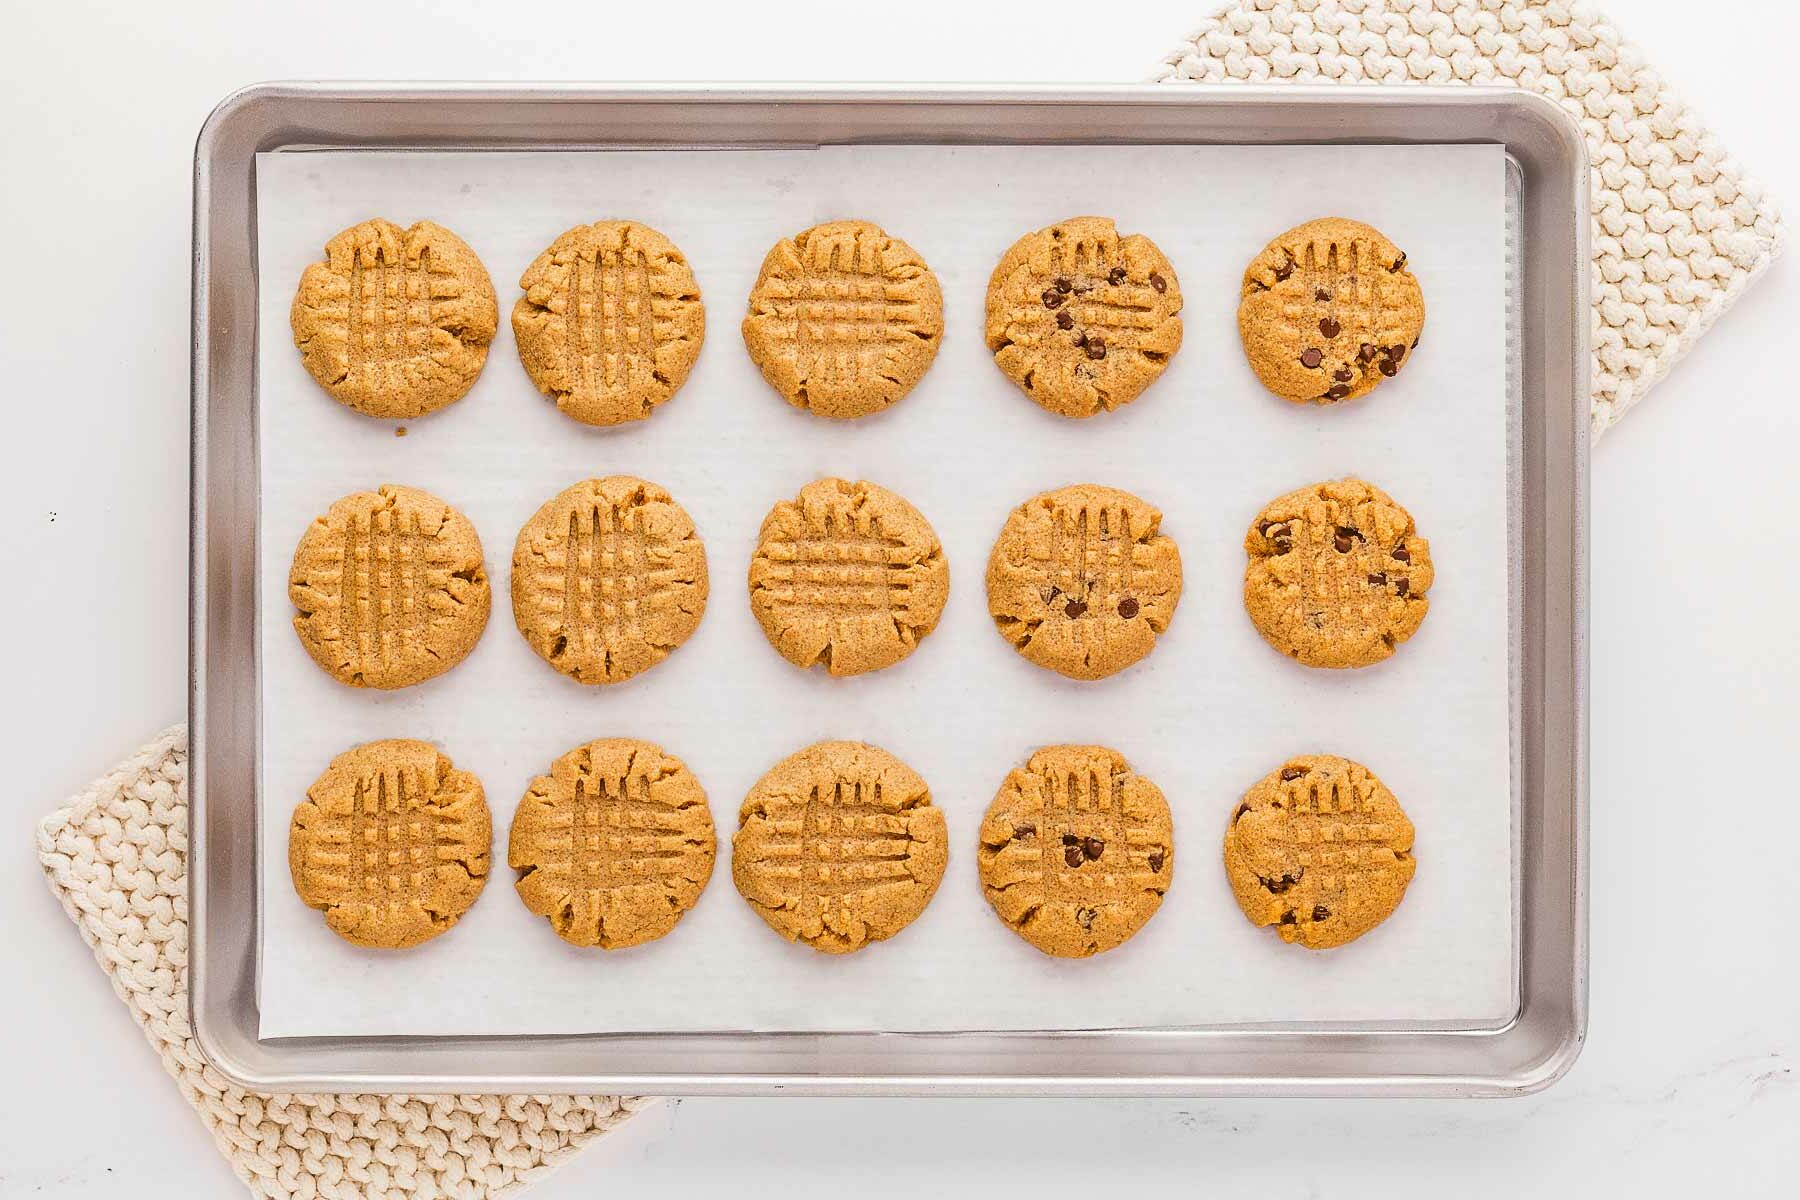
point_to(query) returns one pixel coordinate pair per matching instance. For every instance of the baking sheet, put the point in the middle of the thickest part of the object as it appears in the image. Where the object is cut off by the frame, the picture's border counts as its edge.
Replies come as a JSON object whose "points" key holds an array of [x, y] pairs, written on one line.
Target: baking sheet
{"points": [[1208, 713]]}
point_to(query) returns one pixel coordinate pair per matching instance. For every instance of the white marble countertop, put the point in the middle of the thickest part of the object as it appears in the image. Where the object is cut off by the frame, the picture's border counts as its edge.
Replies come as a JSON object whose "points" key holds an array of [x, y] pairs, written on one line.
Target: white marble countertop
{"points": [[1689, 1077]]}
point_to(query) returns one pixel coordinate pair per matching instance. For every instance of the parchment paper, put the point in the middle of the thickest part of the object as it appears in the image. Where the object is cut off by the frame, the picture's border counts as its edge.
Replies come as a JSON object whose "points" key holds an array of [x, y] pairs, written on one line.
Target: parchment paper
{"points": [[1208, 713]]}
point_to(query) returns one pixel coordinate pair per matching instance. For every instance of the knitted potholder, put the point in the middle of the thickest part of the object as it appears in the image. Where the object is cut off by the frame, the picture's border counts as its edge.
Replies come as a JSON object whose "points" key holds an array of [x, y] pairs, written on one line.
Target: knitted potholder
{"points": [[116, 856], [1679, 232]]}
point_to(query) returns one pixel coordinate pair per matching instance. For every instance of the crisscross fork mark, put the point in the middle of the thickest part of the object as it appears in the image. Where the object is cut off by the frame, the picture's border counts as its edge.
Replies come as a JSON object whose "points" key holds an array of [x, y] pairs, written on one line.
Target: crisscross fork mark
{"points": [[835, 853], [1088, 803], [382, 581], [386, 845], [1355, 289], [1090, 561], [610, 320], [841, 313], [844, 569], [607, 815], [607, 581], [1326, 838], [383, 316]]}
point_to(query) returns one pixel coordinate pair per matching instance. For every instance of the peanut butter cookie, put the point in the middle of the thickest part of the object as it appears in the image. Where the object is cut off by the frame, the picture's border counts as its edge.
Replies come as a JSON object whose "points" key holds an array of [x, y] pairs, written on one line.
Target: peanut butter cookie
{"points": [[848, 574], [1076, 850], [610, 323], [844, 319], [1337, 574], [1321, 850], [839, 846], [391, 844], [389, 588], [1081, 581], [614, 844], [1329, 310], [608, 577], [1082, 319], [395, 322]]}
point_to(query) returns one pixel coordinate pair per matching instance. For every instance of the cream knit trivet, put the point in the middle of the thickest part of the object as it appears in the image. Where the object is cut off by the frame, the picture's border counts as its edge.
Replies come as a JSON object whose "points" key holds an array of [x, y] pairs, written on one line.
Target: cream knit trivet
{"points": [[1679, 232], [116, 856]]}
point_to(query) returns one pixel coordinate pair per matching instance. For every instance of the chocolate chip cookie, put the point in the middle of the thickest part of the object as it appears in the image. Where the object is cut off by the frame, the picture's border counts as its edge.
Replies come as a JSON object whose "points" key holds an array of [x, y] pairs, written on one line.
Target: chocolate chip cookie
{"points": [[388, 588], [849, 575], [1328, 310], [1320, 849], [1337, 574], [614, 845], [395, 322], [839, 846], [391, 844], [610, 323], [1082, 582], [1076, 850], [1082, 319], [608, 578], [844, 319]]}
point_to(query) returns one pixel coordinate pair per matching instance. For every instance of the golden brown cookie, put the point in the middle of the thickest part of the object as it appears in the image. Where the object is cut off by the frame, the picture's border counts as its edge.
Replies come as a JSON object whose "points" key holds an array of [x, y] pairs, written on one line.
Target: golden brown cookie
{"points": [[389, 588], [395, 322], [1083, 319], [1337, 574], [610, 322], [847, 574], [1076, 850], [391, 844], [1082, 582], [614, 844], [1329, 310], [608, 577], [844, 319], [839, 846], [1321, 850]]}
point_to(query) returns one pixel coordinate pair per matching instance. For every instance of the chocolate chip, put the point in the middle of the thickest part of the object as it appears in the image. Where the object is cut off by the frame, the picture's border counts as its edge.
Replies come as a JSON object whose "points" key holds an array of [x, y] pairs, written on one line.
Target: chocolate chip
{"points": [[1278, 886], [1288, 917], [1128, 608], [1378, 579], [1063, 284], [1116, 276], [1024, 831], [1093, 848], [1239, 814], [1070, 839], [1155, 860], [1401, 554], [1311, 357], [1065, 319], [1320, 912], [1281, 535], [1321, 294], [1415, 344], [1336, 391], [1285, 269], [1052, 298], [1386, 367], [1292, 772], [1072, 856], [1401, 587], [1344, 538], [1159, 283], [1075, 608], [1399, 263], [1085, 917], [1342, 374], [1096, 346], [1365, 352], [1329, 327], [1081, 338], [1396, 352]]}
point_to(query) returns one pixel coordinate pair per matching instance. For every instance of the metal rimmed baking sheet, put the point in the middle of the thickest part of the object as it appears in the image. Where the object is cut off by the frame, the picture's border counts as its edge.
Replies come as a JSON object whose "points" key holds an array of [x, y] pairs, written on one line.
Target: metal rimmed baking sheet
{"points": [[1186, 1060]]}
